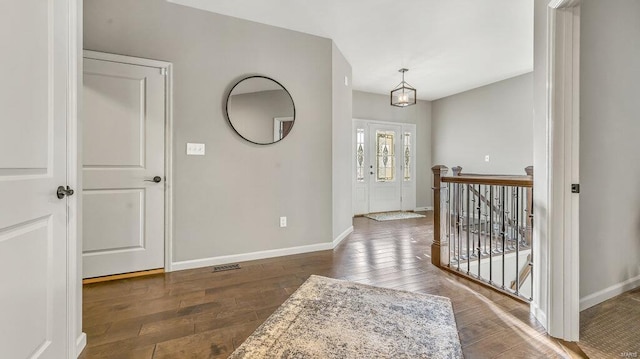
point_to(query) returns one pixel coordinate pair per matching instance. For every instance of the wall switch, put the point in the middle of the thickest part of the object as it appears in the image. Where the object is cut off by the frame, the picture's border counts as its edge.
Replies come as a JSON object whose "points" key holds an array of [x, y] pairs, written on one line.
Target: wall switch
{"points": [[346, 81], [195, 149], [486, 158], [283, 222]]}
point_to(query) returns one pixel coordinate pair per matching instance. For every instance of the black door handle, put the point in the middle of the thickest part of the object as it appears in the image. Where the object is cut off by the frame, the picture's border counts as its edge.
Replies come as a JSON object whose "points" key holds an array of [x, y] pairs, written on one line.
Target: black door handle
{"points": [[61, 192], [156, 179]]}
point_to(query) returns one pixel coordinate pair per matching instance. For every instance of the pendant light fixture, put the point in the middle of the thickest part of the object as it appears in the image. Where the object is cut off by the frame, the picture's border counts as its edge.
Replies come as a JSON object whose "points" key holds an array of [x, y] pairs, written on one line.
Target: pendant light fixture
{"points": [[403, 95]]}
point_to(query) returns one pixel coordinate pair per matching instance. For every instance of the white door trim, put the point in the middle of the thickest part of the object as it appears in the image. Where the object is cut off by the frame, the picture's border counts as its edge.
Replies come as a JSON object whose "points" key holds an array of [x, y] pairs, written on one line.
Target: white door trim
{"points": [[562, 169], [353, 157], [76, 337], [167, 69]]}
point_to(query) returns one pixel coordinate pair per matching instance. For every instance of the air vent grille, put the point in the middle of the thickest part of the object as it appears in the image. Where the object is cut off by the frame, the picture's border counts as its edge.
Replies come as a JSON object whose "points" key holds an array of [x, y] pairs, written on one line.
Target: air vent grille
{"points": [[226, 267]]}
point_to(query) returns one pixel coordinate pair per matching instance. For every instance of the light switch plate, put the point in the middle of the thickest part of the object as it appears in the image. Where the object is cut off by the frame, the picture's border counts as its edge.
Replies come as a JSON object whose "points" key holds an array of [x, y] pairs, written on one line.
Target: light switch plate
{"points": [[195, 149], [486, 158]]}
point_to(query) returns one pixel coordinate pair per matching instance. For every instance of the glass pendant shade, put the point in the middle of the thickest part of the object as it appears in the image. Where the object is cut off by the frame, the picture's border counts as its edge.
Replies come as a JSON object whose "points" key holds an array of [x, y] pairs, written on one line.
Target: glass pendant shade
{"points": [[403, 95]]}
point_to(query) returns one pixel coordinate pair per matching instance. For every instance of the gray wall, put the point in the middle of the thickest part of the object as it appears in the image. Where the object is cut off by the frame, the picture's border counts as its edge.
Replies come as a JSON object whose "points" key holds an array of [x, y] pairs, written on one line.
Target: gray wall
{"points": [[341, 145], [494, 120], [369, 106], [229, 201], [609, 144]]}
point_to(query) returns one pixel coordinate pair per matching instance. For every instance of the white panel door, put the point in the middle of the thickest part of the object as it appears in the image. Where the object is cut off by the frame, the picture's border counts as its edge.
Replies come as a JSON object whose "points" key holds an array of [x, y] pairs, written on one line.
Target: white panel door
{"points": [[33, 162], [123, 209], [385, 178]]}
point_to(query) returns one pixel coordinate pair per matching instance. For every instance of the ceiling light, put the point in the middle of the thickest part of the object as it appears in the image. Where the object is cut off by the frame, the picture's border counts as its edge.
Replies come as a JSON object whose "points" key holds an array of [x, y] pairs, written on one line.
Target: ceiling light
{"points": [[403, 95]]}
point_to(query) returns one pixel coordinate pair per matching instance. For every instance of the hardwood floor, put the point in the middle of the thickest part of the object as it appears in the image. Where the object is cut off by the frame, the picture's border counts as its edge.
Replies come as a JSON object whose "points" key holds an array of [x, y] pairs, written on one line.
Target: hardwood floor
{"points": [[200, 314]]}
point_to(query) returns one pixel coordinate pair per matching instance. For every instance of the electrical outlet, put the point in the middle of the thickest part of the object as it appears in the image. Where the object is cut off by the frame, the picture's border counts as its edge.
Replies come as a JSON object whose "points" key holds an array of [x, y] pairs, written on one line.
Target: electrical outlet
{"points": [[196, 149], [486, 158], [283, 222]]}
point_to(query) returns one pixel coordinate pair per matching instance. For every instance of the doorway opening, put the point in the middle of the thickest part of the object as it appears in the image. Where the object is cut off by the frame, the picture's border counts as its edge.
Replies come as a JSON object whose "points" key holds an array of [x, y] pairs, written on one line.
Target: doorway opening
{"points": [[384, 159]]}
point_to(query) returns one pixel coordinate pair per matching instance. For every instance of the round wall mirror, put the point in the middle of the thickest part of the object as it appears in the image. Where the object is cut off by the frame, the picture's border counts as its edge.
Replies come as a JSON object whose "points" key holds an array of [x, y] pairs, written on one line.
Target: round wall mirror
{"points": [[260, 110]]}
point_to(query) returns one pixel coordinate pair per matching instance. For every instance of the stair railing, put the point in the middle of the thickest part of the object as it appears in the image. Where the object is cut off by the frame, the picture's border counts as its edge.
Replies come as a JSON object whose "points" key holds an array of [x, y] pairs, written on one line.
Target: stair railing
{"points": [[482, 228]]}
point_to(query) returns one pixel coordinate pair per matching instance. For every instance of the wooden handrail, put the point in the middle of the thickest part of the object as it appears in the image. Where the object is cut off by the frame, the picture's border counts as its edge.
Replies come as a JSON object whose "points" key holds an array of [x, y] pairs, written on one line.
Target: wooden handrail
{"points": [[517, 181]]}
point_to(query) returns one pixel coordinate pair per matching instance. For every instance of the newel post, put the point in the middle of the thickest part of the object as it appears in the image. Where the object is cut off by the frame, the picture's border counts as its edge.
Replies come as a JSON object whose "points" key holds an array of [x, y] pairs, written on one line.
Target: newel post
{"points": [[529, 229], [438, 172]]}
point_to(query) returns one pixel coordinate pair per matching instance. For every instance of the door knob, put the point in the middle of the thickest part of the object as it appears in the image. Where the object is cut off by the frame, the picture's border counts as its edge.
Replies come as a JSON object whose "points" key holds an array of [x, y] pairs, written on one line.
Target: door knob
{"points": [[156, 179], [61, 192]]}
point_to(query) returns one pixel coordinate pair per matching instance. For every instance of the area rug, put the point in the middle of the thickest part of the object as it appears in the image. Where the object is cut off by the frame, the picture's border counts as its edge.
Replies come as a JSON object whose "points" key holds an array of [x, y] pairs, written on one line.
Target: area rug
{"points": [[329, 318], [390, 216]]}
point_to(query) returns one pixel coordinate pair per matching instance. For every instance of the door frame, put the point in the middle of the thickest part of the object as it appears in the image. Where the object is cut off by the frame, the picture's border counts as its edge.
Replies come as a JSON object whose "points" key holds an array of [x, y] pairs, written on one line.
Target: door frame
{"points": [[77, 339], [166, 68], [556, 301], [563, 116], [367, 138]]}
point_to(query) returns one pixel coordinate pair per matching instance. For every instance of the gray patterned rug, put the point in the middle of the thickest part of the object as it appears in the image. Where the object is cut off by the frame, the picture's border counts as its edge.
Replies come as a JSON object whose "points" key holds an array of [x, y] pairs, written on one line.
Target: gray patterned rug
{"points": [[330, 318], [390, 216]]}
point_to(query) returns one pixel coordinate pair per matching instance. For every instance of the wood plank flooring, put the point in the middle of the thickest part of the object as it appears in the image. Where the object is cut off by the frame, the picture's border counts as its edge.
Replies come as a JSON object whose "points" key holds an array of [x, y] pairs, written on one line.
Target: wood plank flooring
{"points": [[200, 314]]}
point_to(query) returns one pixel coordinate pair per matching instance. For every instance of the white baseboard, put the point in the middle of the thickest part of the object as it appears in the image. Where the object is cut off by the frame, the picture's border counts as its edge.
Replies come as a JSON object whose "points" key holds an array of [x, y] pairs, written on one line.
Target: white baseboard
{"points": [[421, 209], [608, 293], [540, 315], [81, 342], [212, 261], [342, 236]]}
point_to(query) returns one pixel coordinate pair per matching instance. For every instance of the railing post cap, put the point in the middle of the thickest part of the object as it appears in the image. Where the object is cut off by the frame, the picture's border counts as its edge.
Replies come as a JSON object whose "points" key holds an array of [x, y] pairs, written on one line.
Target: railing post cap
{"points": [[437, 169], [529, 170]]}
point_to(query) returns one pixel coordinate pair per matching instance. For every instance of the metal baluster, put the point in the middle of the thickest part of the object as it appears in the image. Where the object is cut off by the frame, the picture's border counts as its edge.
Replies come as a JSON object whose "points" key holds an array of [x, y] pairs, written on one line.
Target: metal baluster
{"points": [[497, 225], [484, 241], [459, 219], [479, 231], [468, 230], [502, 231], [490, 234], [448, 223], [531, 246], [517, 213], [472, 223]]}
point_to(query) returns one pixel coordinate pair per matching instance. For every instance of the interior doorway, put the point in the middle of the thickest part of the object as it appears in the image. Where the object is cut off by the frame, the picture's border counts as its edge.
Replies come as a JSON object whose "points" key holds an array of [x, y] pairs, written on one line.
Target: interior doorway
{"points": [[384, 160], [124, 164]]}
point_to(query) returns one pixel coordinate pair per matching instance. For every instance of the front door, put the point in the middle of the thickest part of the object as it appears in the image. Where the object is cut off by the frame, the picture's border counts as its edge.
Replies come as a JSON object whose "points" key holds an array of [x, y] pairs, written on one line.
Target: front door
{"points": [[385, 176], [123, 167], [33, 162]]}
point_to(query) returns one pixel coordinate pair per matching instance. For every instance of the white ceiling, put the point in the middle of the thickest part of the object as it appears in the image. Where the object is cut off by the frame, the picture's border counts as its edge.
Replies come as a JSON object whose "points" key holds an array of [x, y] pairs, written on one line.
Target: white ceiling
{"points": [[449, 46]]}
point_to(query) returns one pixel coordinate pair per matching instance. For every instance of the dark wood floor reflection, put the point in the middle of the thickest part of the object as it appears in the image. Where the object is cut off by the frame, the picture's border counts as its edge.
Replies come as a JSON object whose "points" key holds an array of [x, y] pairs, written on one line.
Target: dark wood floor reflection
{"points": [[200, 314]]}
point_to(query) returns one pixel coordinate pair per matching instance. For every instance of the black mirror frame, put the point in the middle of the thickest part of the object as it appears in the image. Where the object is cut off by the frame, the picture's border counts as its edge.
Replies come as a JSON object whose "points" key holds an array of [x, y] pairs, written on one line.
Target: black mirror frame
{"points": [[226, 108]]}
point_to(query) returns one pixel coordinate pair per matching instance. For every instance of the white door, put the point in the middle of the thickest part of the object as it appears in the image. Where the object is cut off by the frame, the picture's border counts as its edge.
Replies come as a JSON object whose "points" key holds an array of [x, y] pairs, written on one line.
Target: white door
{"points": [[33, 162], [123, 168], [385, 176]]}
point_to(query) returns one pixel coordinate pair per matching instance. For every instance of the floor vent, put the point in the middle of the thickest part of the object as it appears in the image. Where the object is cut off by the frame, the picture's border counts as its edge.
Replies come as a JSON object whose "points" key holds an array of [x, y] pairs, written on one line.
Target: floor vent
{"points": [[226, 267]]}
